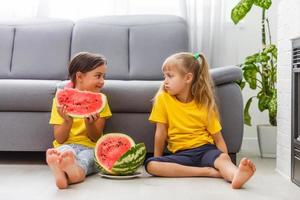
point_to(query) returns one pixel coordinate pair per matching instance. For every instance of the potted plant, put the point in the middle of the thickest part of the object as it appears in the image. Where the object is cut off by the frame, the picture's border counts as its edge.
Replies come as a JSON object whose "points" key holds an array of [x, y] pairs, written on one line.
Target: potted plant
{"points": [[259, 72]]}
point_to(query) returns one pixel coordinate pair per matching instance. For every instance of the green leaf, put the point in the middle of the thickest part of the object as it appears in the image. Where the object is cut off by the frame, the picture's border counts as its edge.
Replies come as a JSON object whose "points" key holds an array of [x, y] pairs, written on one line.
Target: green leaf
{"points": [[249, 66], [269, 49], [250, 76], [273, 109], [241, 10], [263, 102], [247, 117], [241, 83], [263, 58], [274, 52], [265, 4]]}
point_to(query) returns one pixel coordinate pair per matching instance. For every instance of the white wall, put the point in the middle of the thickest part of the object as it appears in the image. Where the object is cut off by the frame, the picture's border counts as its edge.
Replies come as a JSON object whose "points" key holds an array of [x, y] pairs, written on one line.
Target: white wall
{"points": [[288, 28]]}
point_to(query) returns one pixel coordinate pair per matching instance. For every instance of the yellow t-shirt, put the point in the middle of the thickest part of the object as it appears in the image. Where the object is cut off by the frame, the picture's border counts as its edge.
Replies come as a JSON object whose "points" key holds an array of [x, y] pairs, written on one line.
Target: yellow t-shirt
{"points": [[188, 124], [78, 133]]}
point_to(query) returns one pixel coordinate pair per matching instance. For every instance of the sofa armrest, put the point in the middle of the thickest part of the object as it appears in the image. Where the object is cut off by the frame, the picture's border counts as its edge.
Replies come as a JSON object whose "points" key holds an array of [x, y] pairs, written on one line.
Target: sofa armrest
{"points": [[226, 74]]}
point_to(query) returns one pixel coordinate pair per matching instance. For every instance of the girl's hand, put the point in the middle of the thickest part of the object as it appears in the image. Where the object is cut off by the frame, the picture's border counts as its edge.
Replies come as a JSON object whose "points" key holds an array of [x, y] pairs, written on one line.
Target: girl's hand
{"points": [[62, 111], [91, 118]]}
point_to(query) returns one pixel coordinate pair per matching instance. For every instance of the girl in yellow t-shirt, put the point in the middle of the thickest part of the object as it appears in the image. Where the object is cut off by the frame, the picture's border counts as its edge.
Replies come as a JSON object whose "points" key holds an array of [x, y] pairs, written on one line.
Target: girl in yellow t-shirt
{"points": [[72, 157], [187, 119]]}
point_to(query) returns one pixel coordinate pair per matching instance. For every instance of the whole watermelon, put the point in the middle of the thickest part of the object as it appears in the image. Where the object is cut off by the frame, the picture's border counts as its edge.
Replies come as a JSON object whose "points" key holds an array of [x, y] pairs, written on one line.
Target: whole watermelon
{"points": [[117, 154]]}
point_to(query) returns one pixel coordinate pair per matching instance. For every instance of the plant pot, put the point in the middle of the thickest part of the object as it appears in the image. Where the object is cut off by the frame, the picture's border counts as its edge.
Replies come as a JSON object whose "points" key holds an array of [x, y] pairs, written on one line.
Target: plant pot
{"points": [[267, 139]]}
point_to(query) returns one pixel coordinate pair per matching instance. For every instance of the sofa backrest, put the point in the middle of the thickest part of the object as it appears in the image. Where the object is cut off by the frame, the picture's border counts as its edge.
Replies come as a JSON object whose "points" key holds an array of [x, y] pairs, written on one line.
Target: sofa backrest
{"points": [[135, 47], [35, 49]]}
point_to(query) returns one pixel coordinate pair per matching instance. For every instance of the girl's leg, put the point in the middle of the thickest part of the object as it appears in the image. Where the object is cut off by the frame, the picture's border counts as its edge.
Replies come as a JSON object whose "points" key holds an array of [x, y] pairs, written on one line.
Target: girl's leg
{"points": [[52, 158], [168, 169], [68, 164], [236, 175], [85, 159]]}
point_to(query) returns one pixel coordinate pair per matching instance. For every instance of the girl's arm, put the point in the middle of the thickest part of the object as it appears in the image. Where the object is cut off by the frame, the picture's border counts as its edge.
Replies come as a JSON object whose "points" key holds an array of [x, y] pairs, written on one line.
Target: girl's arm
{"points": [[160, 139], [61, 131], [220, 143], [94, 126]]}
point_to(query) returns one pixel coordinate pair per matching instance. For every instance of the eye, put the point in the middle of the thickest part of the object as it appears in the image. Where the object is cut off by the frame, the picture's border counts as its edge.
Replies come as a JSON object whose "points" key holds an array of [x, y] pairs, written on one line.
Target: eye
{"points": [[98, 76]]}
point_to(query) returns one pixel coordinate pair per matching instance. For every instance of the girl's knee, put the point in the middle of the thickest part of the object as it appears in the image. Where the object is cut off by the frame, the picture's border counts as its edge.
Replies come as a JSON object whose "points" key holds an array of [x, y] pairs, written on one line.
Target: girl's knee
{"points": [[151, 167], [224, 156]]}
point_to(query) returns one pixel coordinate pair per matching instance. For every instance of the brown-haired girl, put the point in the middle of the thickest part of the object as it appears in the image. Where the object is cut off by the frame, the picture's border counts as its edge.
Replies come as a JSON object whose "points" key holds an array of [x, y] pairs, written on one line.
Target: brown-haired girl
{"points": [[72, 157]]}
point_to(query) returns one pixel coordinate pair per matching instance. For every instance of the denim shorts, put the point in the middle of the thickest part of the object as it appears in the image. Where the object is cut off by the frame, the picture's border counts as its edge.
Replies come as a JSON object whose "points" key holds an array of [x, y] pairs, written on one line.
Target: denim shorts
{"points": [[84, 156], [203, 156]]}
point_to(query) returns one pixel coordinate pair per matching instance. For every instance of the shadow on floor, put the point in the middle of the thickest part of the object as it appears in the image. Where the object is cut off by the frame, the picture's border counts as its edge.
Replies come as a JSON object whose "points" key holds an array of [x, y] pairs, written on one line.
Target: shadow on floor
{"points": [[20, 157]]}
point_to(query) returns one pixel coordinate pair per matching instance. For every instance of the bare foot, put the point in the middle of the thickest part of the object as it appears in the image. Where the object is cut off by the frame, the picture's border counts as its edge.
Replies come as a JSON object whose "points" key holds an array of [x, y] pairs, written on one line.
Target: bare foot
{"points": [[68, 164], [52, 158], [245, 170]]}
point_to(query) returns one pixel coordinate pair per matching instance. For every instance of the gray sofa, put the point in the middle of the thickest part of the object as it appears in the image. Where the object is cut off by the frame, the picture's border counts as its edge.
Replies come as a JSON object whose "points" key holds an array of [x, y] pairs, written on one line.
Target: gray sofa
{"points": [[33, 60]]}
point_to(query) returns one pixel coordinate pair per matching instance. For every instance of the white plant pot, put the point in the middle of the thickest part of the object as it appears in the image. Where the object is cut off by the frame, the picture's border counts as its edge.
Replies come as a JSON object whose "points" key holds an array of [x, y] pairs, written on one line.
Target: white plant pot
{"points": [[267, 140]]}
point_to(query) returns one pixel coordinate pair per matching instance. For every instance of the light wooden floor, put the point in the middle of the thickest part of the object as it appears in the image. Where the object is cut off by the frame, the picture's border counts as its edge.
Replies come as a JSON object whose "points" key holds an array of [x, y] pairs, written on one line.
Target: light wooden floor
{"points": [[24, 178]]}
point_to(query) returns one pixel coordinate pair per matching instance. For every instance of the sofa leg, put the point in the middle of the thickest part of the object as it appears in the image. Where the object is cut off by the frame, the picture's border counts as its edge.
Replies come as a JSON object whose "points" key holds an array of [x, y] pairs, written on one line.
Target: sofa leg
{"points": [[233, 157]]}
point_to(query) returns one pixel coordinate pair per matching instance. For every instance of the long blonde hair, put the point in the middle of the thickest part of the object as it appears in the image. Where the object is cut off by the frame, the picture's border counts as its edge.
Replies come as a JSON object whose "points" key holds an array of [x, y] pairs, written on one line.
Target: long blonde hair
{"points": [[202, 88]]}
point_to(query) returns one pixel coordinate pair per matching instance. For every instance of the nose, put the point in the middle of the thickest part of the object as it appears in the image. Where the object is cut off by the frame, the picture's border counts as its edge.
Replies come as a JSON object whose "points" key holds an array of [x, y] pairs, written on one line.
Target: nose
{"points": [[102, 80], [165, 83]]}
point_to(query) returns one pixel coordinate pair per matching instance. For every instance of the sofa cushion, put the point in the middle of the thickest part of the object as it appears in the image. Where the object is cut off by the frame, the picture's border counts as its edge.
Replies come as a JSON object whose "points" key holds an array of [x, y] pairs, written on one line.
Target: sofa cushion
{"points": [[130, 43], [41, 49], [226, 74], [151, 44], [109, 40], [27, 95], [6, 46]]}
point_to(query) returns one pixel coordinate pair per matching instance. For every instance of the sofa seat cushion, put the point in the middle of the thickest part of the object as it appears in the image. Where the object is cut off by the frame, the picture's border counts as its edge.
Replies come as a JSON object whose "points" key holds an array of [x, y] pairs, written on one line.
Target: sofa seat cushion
{"points": [[27, 95]]}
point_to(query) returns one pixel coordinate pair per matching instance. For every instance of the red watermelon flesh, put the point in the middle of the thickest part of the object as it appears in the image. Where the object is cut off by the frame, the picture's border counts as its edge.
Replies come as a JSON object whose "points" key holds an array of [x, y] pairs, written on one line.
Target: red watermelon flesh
{"points": [[80, 103], [111, 147]]}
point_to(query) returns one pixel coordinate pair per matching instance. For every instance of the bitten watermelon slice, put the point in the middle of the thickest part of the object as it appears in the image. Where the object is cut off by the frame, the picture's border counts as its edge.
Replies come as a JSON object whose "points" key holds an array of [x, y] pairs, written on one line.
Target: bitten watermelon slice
{"points": [[117, 154], [80, 104]]}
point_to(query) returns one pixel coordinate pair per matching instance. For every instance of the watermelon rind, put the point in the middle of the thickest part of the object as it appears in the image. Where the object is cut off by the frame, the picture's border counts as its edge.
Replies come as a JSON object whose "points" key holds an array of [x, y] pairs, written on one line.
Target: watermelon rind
{"points": [[103, 97], [130, 161], [103, 169]]}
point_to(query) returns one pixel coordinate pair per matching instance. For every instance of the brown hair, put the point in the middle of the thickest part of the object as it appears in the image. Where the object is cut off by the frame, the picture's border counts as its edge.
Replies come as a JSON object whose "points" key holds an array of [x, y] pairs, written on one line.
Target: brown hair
{"points": [[202, 88], [84, 62]]}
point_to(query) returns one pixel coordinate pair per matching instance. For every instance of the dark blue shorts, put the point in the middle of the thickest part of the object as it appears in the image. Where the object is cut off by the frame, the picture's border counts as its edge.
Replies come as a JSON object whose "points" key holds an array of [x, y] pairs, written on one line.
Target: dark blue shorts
{"points": [[203, 156]]}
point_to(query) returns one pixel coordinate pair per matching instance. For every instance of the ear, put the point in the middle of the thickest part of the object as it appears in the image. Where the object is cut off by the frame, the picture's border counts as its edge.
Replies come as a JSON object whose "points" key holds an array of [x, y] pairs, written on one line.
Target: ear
{"points": [[79, 76], [189, 77]]}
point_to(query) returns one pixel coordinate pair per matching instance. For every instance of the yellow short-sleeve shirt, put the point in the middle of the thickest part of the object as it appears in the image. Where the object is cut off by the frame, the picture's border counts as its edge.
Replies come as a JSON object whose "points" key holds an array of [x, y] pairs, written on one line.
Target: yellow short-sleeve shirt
{"points": [[188, 124], [78, 133]]}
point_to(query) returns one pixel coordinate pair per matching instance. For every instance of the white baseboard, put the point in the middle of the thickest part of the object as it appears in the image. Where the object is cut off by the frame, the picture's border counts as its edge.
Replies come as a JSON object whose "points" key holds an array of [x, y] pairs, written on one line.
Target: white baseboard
{"points": [[283, 174]]}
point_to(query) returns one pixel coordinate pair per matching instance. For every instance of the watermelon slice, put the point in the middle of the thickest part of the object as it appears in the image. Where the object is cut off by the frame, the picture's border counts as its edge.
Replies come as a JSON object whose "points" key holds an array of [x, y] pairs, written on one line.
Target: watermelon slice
{"points": [[117, 154], [80, 104]]}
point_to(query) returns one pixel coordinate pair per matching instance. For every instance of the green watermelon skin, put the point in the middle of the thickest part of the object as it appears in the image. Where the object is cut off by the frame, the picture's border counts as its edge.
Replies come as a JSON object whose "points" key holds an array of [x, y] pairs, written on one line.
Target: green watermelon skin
{"points": [[131, 160], [100, 168]]}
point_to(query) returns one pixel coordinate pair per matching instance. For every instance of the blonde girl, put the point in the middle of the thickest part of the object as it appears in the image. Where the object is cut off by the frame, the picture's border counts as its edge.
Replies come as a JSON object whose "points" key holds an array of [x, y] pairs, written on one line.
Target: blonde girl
{"points": [[187, 120]]}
